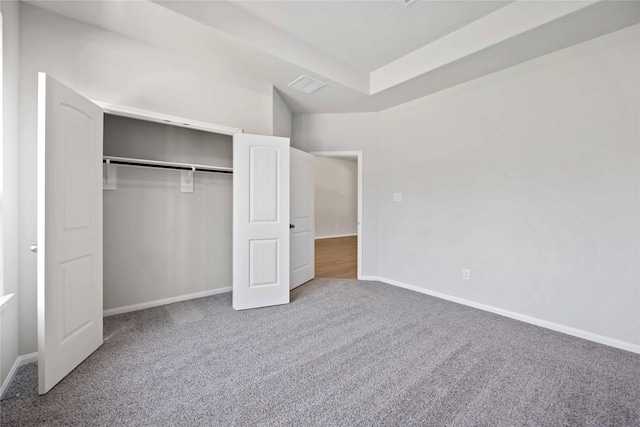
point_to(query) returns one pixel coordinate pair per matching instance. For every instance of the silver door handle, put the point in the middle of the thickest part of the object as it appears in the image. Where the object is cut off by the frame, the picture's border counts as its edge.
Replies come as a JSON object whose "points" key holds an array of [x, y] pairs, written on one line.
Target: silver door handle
{"points": [[34, 248]]}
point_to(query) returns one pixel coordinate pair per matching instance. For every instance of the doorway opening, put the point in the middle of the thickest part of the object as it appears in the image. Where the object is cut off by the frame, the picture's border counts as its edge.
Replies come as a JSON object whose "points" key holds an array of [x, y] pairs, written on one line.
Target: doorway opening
{"points": [[338, 214]]}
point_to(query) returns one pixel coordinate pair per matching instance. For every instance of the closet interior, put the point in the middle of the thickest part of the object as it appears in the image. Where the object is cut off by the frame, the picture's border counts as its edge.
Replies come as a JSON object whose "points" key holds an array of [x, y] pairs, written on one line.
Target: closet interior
{"points": [[167, 204]]}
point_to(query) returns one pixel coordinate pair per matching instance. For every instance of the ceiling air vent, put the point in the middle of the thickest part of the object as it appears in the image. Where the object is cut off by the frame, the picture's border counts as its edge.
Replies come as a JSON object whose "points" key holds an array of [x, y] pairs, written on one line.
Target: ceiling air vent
{"points": [[306, 84]]}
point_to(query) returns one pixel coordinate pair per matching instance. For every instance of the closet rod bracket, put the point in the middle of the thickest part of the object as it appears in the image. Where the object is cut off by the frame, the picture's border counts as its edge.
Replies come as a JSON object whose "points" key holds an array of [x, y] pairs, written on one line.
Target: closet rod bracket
{"points": [[187, 180], [109, 173]]}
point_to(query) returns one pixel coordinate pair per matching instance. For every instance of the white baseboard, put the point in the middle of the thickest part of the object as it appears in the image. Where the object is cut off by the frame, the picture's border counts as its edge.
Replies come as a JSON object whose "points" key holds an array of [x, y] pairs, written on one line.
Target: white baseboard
{"points": [[335, 236], [20, 360], [165, 301], [590, 336]]}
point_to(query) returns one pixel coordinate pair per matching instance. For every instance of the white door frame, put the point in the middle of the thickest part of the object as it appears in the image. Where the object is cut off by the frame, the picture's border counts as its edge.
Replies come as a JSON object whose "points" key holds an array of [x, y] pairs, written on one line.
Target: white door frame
{"points": [[358, 154], [166, 119], [152, 116]]}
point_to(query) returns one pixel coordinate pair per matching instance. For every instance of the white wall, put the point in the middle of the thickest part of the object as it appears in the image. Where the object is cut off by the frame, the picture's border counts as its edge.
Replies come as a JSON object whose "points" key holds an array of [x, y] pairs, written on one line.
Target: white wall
{"points": [[530, 177], [336, 197], [159, 242], [282, 117], [105, 66], [9, 348]]}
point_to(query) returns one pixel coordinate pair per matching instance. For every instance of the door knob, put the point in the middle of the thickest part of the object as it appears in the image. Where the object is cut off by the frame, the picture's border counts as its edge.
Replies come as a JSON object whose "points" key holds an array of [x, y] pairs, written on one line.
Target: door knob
{"points": [[34, 248], [292, 226]]}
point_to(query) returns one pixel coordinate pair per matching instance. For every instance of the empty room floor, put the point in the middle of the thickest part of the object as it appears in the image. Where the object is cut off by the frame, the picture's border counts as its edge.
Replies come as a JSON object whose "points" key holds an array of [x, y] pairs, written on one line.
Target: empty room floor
{"points": [[343, 352], [337, 257]]}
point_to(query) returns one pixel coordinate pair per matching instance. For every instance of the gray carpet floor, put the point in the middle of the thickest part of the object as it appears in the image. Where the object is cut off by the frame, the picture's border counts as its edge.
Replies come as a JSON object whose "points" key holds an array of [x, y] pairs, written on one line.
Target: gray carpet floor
{"points": [[342, 353]]}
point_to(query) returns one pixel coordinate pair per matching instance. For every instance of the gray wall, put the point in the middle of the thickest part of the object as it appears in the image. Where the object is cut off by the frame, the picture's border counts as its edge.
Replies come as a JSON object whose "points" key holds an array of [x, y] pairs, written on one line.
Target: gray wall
{"points": [[109, 67], [159, 242], [530, 177], [281, 116], [9, 349], [336, 197]]}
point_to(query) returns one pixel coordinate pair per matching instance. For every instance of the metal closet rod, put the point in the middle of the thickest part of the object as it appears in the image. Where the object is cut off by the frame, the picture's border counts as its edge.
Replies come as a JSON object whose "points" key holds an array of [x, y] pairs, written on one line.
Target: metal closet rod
{"points": [[126, 161]]}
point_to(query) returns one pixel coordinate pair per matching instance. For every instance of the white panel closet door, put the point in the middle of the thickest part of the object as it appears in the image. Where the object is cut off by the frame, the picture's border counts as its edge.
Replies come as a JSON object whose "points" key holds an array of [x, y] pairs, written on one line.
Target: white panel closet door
{"points": [[302, 217], [260, 221], [69, 230]]}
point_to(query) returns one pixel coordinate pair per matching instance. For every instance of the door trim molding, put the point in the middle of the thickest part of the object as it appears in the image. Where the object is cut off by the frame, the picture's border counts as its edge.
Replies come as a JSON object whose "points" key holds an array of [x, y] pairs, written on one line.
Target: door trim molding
{"points": [[358, 154], [166, 119], [151, 116]]}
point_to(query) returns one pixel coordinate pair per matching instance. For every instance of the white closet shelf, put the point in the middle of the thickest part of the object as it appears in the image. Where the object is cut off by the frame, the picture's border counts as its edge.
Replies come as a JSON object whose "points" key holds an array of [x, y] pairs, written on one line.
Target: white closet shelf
{"points": [[127, 161]]}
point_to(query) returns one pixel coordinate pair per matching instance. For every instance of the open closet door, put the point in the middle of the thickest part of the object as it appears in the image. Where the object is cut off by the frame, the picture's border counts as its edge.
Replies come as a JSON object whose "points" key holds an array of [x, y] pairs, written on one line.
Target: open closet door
{"points": [[302, 217], [69, 230], [260, 221]]}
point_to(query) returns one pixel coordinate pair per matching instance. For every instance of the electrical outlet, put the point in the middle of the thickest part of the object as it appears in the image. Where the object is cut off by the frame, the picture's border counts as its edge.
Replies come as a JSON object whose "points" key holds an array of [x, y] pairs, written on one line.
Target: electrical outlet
{"points": [[397, 197], [466, 274]]}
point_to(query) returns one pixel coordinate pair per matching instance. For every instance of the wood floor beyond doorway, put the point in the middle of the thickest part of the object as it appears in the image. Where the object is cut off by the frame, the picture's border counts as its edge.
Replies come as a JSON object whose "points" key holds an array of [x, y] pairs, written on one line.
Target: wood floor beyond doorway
{"points": [[337, 257]]}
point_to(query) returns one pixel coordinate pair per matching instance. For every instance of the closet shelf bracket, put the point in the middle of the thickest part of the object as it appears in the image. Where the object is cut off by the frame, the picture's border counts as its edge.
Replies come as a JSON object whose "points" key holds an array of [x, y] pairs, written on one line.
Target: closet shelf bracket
{"points": [[187, 180], [109, 172]]}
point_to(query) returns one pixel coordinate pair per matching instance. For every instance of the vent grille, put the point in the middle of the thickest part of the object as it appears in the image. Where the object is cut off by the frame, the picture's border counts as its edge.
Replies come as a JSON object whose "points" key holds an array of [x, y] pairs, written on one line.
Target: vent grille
{"points": [[306, 84]]}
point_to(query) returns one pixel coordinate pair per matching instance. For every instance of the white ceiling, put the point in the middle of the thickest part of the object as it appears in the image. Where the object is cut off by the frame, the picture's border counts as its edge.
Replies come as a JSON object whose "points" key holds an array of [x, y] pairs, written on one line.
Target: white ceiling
{"points": [[373, 54], [369, 34]]}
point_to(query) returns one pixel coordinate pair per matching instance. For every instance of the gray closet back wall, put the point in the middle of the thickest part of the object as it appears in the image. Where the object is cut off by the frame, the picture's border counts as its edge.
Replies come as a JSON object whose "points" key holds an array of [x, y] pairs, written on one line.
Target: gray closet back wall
{"points": [[159, 242]]}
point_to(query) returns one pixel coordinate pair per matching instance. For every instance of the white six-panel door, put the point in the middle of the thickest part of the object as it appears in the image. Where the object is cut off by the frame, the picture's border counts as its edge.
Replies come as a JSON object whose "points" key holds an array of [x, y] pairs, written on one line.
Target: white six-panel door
{"points": [[302, 217], [260, 221], [69, 230]]}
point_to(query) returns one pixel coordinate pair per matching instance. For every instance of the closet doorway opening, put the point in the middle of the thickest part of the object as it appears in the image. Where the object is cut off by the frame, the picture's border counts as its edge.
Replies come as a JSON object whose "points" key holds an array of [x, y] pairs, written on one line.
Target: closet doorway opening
{"points": [[167, 213], [338, 214]]}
